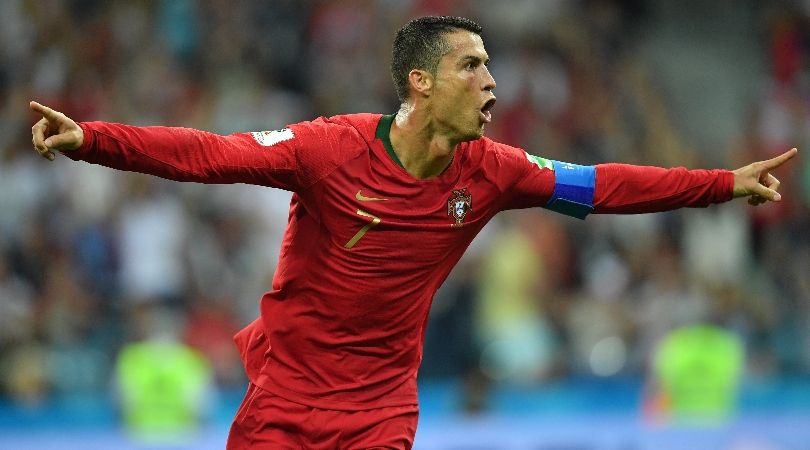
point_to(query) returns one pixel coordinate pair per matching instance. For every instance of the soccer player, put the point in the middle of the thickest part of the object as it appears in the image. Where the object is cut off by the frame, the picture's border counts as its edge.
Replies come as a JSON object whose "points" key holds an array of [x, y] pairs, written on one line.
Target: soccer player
{"points": [[383, 207]]}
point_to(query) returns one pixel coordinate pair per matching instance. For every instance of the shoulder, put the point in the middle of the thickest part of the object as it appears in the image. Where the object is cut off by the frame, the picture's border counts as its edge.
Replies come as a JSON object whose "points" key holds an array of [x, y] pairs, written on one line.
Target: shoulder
{"points": [[362, 126], [486, 152], [340, 135], [324, 144]]}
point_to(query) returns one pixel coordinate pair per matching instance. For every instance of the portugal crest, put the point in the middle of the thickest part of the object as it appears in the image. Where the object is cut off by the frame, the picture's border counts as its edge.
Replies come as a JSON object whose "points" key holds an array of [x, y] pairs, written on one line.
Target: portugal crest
{"points": [[459, 205]]}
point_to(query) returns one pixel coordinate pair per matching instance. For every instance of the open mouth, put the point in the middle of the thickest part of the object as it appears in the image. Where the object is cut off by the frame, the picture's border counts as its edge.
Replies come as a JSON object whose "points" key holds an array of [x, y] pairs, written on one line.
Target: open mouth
{"points": [[486, 114]]}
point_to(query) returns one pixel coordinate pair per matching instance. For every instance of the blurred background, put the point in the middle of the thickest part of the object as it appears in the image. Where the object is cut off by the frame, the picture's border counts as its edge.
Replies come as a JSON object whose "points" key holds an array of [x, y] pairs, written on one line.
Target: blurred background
{"points": [[119, 293]]}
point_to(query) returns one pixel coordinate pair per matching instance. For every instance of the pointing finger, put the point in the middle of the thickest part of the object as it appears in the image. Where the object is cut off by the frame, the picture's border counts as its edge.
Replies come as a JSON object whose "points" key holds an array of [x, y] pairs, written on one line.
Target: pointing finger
{"points": [[46, 112], [779, 160]]}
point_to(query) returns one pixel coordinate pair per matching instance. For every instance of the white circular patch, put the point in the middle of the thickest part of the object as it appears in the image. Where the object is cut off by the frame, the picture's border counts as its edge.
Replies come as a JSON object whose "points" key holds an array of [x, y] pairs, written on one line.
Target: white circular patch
{"points": [[270, 138]]}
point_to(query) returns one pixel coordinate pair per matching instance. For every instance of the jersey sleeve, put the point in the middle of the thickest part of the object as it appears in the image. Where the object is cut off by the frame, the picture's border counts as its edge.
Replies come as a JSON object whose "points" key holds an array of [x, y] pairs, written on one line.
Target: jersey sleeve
{"points": [[629, 189], [525, 180], [578, 190], [293, 158]]}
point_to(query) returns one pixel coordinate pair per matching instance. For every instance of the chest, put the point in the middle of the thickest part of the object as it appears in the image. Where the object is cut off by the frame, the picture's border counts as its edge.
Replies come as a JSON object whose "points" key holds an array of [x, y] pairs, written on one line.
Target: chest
{"points": [[370, 211]]}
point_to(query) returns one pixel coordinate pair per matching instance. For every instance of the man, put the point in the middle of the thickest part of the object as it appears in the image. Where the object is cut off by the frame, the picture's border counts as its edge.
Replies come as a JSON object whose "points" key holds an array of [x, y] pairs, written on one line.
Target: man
{"points": [[383, 207]]}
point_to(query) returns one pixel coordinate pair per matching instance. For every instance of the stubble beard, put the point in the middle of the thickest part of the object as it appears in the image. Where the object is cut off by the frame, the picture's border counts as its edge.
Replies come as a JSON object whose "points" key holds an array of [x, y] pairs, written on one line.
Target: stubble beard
{"points": [[474, 132]]}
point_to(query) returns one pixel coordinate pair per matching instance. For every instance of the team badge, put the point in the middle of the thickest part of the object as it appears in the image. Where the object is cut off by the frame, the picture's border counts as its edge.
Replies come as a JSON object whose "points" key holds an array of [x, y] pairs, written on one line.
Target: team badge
{"points": [[459, 205]]}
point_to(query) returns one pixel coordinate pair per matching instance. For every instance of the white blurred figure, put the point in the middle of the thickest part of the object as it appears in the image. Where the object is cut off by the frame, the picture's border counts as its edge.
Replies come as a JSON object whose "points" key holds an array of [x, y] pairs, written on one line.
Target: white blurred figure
{"points": [[152, 231], [597, 320], [716, 245]]}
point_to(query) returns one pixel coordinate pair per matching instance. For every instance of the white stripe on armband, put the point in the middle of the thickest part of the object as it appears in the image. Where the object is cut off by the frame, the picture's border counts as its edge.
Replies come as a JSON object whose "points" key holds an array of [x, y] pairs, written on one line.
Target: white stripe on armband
{"points": [[573, 189]]}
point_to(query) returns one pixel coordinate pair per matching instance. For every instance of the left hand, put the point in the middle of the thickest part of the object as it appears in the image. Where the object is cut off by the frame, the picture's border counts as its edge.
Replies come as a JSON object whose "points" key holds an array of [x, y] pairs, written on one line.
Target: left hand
{"points": [[755, 180]]}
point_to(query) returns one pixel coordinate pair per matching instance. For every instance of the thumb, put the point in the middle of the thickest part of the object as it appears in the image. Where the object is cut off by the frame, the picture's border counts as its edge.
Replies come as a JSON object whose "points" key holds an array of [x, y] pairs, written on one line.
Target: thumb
{"points": [[59, 141], [767, 193]]}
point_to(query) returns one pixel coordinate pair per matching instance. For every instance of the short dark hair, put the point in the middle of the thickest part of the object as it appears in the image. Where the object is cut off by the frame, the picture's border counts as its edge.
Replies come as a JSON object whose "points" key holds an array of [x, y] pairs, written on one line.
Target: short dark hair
{"points": [[420, 44]]}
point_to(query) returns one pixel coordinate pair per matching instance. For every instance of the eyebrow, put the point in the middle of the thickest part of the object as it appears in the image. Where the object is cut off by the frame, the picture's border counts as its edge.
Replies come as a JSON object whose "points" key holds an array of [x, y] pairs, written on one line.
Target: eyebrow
{"points": [[474, 59]]}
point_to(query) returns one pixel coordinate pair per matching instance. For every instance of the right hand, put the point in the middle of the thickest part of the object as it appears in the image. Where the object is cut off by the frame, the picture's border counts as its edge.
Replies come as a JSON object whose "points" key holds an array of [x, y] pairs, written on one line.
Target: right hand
{"points": [[55, 131]]}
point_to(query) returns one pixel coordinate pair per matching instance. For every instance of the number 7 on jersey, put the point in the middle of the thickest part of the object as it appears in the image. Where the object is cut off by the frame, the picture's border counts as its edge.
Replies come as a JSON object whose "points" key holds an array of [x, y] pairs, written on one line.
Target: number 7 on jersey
{"points": [[374, 222]]}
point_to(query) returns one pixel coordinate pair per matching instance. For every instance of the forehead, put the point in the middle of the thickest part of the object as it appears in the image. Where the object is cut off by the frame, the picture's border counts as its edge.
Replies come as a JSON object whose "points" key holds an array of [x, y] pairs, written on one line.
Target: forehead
{"points": [[462, 44]]}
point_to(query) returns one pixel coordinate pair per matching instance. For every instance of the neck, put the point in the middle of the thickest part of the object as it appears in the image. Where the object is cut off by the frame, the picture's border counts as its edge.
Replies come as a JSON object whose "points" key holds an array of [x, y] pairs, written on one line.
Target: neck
{"points": [[424, 151]]}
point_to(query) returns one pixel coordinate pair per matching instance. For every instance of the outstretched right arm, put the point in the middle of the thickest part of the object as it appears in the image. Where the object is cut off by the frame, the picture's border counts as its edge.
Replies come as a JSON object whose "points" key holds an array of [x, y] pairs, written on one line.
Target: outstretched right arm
{"points": [[279, 158]]}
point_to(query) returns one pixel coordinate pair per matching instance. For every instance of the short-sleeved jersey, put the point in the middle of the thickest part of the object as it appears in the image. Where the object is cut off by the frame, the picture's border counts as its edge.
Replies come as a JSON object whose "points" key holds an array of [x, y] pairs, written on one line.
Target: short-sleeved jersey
{"points": [[367, 244]]}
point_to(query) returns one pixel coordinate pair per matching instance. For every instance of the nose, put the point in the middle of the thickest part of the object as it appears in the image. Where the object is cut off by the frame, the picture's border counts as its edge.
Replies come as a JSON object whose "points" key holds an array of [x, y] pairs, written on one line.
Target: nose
{"points": [[489, 81]]}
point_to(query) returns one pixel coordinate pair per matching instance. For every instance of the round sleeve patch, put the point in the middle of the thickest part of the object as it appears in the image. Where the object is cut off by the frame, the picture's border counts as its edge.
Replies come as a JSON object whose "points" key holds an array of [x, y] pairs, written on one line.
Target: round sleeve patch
{"points": [[270, 138]]}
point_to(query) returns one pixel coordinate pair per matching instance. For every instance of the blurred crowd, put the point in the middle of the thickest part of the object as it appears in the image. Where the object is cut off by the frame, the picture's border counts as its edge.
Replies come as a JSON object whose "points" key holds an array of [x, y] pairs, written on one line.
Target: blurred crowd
{"points": [[92, 259]]}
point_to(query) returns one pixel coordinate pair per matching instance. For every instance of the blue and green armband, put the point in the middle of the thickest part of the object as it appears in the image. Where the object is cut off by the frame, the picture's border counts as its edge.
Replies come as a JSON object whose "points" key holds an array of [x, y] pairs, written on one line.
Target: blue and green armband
{"points": [[573, 189]]}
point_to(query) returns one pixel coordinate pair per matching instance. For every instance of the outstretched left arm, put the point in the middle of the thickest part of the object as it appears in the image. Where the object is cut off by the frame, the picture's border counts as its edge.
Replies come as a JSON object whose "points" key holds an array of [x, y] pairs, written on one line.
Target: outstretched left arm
{"points": [[626, 189], [577, 191]]}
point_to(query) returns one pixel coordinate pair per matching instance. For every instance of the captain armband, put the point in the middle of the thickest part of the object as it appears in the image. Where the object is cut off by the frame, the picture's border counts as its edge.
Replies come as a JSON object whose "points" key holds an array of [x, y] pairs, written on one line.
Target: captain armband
{"points": [[573, 189]]}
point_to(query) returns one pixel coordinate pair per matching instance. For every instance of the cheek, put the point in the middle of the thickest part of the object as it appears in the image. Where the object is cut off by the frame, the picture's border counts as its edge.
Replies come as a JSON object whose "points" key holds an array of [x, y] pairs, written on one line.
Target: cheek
{"points": [[465, 90], [458, 94]]}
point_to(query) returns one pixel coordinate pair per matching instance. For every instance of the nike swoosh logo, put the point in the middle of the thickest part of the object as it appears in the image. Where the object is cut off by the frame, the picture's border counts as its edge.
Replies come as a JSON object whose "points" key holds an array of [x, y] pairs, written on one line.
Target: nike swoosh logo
{"points": [[363, 198]]}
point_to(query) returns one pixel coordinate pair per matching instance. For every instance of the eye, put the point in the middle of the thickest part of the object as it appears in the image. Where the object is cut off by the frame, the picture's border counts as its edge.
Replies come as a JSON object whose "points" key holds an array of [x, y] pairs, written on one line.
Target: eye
{"points": [[470, 66]]}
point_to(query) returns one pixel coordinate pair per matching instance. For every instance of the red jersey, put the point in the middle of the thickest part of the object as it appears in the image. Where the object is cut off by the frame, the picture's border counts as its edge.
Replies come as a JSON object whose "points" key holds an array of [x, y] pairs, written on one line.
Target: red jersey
{"points": [[367, 245]]}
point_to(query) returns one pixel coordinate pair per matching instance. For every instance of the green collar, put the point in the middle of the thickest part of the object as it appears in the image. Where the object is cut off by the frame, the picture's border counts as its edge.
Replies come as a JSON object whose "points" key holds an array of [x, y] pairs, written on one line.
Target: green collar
{"points": [[384, 134]]}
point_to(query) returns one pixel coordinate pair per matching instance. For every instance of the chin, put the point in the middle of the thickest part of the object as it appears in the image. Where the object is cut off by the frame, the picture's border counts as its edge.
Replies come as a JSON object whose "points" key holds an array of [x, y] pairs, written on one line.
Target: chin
{"points": [[469, 131], [473, 134]]}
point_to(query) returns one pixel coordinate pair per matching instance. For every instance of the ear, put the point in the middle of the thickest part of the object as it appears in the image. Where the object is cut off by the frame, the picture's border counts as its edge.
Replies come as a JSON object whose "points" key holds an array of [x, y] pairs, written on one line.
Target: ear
{"points": [[421, 82]]}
